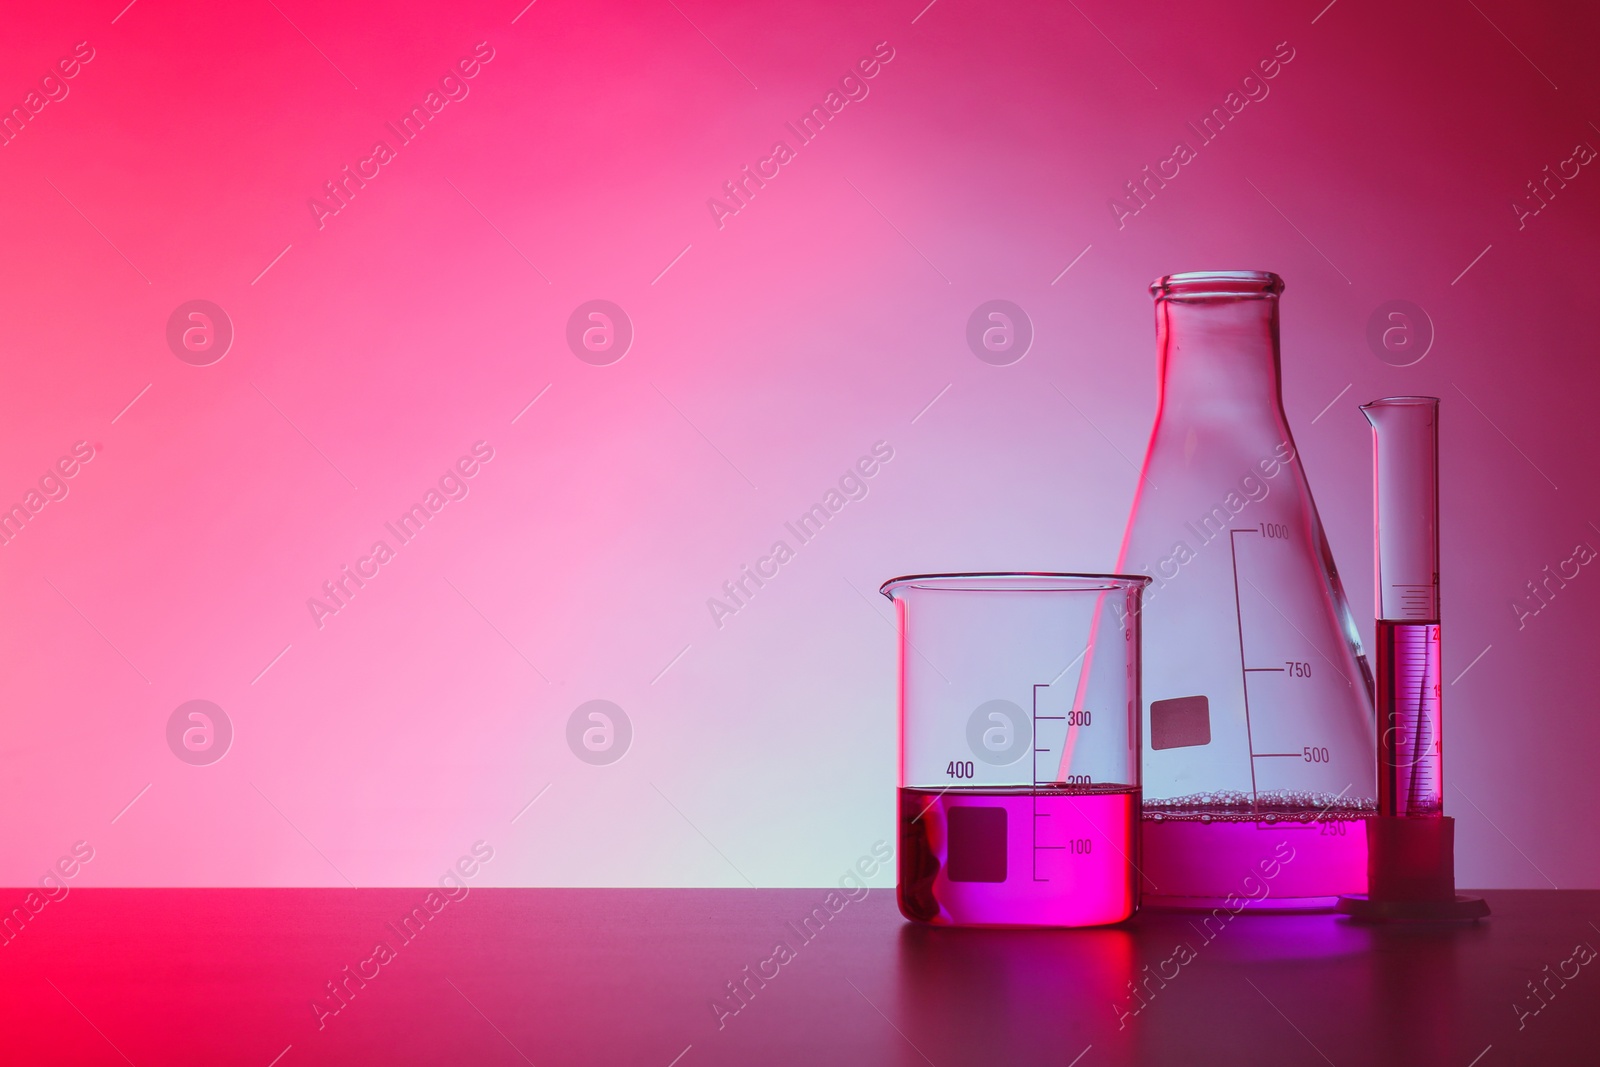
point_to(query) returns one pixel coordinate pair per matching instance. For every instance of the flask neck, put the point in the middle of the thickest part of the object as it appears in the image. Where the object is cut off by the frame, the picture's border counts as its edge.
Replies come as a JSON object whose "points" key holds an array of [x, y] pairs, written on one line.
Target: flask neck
{"points": [[1219, 356]]}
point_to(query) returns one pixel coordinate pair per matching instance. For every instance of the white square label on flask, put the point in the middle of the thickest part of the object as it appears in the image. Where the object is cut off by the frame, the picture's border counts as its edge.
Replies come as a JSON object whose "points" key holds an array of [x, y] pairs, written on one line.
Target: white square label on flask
{"points": [[1182, 722]]}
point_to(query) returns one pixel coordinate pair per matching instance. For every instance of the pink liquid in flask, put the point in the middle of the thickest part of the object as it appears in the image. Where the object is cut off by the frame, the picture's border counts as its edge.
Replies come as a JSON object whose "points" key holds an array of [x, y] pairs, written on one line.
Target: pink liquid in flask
{"points": [[1019, 856]]}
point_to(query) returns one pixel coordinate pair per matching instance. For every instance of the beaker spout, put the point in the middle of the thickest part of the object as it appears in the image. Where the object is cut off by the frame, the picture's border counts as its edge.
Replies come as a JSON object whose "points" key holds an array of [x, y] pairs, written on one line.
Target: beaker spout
{"points": [[1405, 454]]}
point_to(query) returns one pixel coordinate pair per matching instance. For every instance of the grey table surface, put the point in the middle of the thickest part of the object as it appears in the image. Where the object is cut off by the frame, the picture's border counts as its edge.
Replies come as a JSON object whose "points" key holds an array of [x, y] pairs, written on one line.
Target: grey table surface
{"points": [[684, 978]]}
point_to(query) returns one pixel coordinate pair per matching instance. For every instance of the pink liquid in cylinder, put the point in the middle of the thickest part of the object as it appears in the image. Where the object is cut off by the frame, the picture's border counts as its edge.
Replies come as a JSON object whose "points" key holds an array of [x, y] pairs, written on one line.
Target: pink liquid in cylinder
{"points": [[1410, 778], [1021, 856]]}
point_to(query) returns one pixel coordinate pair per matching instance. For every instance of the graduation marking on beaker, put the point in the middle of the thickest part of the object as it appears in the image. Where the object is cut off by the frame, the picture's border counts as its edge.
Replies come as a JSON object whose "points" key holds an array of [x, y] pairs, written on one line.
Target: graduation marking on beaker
{"points": [[1037, 815]]}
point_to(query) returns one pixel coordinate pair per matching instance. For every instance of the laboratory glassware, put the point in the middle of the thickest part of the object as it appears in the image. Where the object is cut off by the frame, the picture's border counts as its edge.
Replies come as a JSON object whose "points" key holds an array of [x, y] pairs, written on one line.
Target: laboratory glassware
{"points": [[1411, 842], [1405, 431], [1019, 748], [1259, 716]]}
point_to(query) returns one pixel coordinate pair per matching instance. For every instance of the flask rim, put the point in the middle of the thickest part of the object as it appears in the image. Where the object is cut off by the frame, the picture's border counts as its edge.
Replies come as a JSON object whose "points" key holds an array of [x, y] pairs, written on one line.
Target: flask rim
{"points": [[1217, 284]]}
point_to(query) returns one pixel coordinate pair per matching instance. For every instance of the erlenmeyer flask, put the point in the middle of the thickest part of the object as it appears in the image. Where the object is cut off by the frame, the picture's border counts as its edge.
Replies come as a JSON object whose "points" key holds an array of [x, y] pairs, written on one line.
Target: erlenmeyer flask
{"points": [[1259, 726]]}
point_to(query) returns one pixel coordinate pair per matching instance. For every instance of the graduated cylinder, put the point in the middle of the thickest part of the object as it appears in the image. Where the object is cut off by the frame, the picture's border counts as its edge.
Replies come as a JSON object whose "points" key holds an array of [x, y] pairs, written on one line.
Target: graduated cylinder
{"points": [[1406, 515]]}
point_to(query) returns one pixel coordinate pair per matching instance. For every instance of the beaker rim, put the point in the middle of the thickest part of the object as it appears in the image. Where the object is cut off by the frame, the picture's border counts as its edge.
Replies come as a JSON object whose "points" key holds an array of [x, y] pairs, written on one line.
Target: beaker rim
{"points": [[1203, 284], [1400, 401], [1015, 582]]}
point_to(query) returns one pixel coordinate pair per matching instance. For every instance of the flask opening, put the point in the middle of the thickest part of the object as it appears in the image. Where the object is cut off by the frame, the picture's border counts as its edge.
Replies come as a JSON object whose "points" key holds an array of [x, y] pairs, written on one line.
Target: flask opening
{"points": [[1217, 284]]}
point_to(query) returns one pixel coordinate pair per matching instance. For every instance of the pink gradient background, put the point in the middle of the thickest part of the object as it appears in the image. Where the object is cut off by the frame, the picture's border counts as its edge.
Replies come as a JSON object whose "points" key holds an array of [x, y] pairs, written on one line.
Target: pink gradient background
{"points": [[792, 339]]}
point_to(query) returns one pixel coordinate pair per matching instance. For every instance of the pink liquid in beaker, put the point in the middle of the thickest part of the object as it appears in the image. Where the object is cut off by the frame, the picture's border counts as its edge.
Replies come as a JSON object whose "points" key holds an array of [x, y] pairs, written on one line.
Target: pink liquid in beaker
{"points": [[1021, 856]]}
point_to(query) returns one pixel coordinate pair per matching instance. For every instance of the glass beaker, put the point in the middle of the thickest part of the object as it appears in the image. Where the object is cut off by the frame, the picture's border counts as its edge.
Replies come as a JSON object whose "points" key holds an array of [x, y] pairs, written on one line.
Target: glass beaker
{"points": [[1259, 732], [1019, 748]]}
